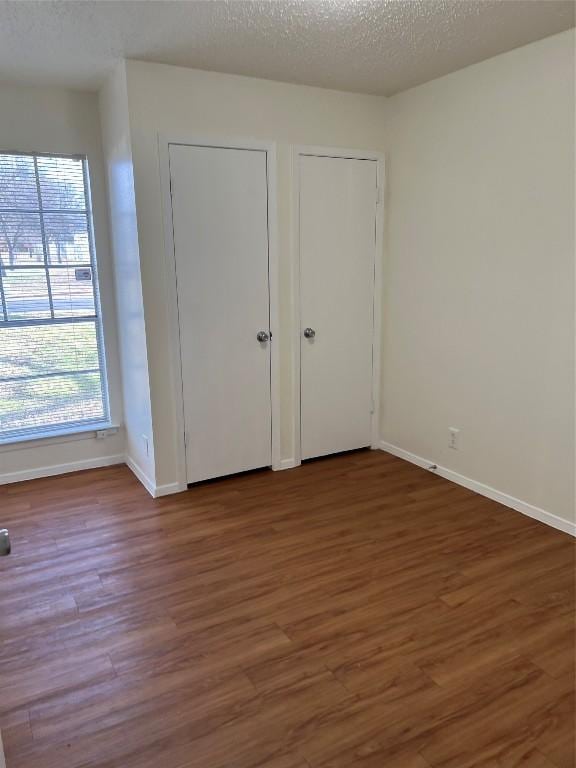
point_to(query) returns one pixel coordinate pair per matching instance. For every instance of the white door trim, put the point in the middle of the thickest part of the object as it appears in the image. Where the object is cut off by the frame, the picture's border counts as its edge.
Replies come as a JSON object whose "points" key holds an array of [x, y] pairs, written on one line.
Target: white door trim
{"points": [[269, 148], [354, 154]]}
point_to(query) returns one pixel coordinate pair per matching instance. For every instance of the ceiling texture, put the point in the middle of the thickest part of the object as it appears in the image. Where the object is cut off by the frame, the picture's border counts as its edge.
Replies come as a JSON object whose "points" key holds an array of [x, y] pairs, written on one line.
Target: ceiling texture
{"points": [[380, 47]]}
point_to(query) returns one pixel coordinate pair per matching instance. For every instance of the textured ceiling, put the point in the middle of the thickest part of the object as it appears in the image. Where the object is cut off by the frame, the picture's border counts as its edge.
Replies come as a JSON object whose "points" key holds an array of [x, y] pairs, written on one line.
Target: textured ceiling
{"points": [[373, 47]]}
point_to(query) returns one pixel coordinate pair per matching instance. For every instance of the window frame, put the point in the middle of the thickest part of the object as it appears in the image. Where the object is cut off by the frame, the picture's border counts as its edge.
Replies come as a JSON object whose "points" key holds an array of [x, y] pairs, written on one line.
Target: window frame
{"points": [[80, 426]]}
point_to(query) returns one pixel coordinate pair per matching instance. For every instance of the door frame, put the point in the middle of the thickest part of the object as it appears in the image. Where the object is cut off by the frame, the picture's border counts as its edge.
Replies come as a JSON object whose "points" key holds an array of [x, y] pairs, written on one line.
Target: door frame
{"points": [[351, 154], [219, 142]]}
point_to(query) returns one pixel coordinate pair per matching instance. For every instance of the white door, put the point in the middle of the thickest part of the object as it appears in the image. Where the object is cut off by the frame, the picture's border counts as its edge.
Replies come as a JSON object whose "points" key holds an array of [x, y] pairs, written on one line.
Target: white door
{"points": [[337, 259], [220, 220]]}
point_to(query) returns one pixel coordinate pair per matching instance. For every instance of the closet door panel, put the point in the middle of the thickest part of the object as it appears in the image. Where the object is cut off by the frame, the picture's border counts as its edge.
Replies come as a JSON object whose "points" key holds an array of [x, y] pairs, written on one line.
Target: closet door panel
{"points": [[220, 221], [337, 256]]}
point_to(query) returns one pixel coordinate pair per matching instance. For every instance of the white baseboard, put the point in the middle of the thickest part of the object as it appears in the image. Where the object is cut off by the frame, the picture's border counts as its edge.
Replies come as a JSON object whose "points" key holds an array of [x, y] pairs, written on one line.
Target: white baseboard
{"points": [[287, 464], [484, 490], [104, 461], [168, 489], [60, 469], [141, 475], [154, 490]]}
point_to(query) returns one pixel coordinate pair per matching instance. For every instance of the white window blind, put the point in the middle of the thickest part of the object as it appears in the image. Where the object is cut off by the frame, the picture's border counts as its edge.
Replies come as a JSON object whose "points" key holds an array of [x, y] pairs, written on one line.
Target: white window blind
{"points": [[52, 372]]}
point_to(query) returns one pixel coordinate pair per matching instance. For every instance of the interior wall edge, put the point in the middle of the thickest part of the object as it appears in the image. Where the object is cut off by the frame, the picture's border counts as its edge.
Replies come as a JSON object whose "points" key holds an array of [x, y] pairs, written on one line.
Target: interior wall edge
{"points": [[123, 223], [554, 521]]}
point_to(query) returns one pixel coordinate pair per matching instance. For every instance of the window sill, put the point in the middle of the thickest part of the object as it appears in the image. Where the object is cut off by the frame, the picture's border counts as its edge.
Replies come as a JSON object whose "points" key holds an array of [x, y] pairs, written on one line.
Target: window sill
{"points": [[58, 436]]}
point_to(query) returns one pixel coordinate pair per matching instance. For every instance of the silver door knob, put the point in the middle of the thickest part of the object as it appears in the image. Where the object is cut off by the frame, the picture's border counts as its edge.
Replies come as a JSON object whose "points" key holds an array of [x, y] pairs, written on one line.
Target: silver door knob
{"points": [[309, 333], [4, 542], [262, 336]]}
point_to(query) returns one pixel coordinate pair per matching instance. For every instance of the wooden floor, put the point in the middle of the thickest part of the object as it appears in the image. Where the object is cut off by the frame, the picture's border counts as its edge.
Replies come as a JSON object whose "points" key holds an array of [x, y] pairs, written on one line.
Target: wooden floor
{"points": [[357, 611]]}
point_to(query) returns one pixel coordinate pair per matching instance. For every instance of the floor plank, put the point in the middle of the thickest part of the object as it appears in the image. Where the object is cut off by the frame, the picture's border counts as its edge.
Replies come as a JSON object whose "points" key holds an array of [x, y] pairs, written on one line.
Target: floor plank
{"points": [[357, 611]]}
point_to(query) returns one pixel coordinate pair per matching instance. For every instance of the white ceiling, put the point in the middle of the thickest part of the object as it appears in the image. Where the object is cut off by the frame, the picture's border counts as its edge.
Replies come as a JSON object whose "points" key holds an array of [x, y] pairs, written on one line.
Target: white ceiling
{"points": [[382, 46]]}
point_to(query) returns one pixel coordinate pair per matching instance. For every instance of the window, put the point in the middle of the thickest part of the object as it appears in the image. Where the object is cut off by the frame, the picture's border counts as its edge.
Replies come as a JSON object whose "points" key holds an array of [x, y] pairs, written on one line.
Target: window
{"points": [[52, 373]]}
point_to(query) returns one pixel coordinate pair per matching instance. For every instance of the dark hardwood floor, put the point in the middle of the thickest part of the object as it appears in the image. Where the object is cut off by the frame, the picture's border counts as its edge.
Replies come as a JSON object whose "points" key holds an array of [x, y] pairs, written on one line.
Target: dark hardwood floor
{"points": [[357, 611]]}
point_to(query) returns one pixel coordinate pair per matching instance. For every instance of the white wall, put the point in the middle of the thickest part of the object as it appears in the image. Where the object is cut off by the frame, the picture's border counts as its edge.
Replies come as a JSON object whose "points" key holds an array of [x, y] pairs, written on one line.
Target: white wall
{"points": [[130, 309], [479, 275], [184, 102], [479, 272], [57, 120]]}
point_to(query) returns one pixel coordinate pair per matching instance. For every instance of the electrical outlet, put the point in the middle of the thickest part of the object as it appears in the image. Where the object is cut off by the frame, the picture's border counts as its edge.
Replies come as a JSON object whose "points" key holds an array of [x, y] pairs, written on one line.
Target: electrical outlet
{"points": [[146, 445], [453, 438], [101, 434]]}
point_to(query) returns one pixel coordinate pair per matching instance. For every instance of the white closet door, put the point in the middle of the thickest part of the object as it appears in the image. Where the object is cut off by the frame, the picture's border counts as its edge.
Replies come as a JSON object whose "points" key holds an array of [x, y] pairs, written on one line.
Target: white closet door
{"points": [[337, 258], [220, 219]]}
